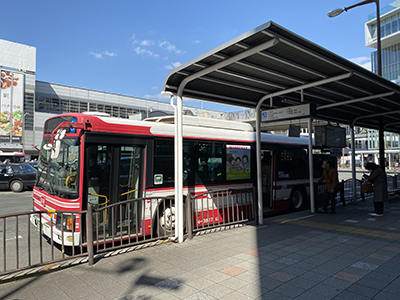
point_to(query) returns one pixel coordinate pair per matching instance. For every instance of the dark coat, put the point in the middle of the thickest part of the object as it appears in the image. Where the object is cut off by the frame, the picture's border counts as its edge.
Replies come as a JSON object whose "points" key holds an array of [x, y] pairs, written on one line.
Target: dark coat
{"points": [[378, 179]]}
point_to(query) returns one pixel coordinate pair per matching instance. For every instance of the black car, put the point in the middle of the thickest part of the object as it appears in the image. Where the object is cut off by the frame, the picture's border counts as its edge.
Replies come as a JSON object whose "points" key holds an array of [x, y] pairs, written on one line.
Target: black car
{"points": [[17, 176]]}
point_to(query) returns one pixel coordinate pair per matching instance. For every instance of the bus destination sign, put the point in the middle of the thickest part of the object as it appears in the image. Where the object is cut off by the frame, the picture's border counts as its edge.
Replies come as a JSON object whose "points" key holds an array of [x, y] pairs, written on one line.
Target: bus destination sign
{"points": [[287, 113]]}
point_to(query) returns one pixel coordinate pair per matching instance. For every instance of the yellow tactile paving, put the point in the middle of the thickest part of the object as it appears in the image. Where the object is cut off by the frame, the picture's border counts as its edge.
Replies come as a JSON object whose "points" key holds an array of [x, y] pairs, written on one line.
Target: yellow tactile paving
{"points": [[362, 231]]}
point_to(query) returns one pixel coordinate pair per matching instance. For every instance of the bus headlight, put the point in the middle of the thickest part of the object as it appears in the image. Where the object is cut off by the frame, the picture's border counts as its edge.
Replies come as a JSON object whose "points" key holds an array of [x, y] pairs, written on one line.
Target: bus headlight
{"points": [[68, 222]]}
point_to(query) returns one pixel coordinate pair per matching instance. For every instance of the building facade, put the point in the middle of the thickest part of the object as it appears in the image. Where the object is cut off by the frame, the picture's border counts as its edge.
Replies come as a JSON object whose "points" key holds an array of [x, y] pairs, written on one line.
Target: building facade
{"points": [[25, 103], [390, 40]]}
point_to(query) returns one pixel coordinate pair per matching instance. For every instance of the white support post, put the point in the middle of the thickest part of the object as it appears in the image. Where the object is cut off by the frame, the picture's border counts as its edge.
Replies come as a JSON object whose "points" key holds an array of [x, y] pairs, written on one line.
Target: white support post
{"points": [[311, 166], [179, 172], [259, 169], [353, 164]]}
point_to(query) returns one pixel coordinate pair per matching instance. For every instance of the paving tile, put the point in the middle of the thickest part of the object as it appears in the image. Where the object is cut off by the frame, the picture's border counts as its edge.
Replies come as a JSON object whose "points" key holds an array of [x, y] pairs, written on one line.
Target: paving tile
{"points": [[363, 290], [380, 256], [168, 284], [234, 283], [282, 276], [217, 290], [287, 261], [289, 290], [200, 296], [303, 283], [311, 295], [269, 283], [347, 276], [255, 252], [272, 295], [232, 271], [253, 290], [392, 249], [365, 266], [385, 296], [326, 290], [346, 295]]}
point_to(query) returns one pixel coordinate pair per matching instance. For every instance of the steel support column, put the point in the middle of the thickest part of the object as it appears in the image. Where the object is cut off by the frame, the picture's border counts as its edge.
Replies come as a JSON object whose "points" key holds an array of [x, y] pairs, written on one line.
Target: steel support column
{"points": [[382, 160], [353, 164], [311, 165]]}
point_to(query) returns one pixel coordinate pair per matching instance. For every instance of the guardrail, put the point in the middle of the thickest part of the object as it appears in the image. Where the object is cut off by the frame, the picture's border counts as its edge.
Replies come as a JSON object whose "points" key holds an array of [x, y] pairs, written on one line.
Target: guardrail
{"points": [[24, 245], [220, 208], [346, 194]]}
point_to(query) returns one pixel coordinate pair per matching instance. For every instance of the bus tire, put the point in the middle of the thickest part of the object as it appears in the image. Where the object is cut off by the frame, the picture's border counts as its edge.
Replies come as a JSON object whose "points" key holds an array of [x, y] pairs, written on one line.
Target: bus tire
{"points": [[16, 186], [167, 220], [297, 198]]}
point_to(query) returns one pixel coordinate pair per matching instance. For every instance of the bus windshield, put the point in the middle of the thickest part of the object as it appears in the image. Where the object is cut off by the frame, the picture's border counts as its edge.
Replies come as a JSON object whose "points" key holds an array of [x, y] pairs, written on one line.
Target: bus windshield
{"points": [[59, 176]]}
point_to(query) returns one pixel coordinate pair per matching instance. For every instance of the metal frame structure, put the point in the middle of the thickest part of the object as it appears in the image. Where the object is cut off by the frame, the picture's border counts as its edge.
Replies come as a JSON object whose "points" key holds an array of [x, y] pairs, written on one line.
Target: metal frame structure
{"points": [[272, 63]]}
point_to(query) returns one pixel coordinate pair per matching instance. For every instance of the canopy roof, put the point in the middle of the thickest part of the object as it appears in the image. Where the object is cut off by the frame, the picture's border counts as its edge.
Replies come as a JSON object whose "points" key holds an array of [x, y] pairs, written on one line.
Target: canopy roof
{"points": [[272, 62]]}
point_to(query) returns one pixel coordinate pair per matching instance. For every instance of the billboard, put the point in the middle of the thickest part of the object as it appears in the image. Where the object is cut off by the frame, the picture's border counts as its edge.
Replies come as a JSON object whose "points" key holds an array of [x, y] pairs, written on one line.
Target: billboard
{"points": [[238, 162], [11, 106]]}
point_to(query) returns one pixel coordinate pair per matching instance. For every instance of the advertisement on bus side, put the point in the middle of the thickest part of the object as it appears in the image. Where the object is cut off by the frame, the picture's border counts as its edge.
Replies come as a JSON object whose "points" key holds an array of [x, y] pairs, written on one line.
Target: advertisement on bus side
{"points": [[238, 162]]}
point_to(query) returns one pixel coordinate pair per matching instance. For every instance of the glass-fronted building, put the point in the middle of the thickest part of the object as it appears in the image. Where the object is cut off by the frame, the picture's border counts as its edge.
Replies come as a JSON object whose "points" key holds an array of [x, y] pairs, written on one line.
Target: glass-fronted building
{"points": [[390, 40], [25, 103]]}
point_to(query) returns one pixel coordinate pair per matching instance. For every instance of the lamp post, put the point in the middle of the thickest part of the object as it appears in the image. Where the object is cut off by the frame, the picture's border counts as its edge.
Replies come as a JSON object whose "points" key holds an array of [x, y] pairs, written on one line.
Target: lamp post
{"points": [[338, 11]]}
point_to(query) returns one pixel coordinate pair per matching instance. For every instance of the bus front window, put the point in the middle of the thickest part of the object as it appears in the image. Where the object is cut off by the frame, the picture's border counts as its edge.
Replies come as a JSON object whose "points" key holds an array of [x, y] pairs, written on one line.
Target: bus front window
{"points": [[60, 176]]}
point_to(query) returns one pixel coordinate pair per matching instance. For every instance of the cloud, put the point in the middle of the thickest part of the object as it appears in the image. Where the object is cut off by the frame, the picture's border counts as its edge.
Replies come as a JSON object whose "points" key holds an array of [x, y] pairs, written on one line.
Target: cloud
{"points": [[147, 43], [172, 65], [170, 47], [102, 54], [159, 96], [363, 61], [197, 42], [141, 51]]}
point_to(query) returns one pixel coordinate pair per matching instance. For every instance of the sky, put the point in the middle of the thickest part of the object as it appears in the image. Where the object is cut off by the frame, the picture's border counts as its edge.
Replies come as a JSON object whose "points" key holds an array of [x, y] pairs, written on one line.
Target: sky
{"points": [[129, 47]]}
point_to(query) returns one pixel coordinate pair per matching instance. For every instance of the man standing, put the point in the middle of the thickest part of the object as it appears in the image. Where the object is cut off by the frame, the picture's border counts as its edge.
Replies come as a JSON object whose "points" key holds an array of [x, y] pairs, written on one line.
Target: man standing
{"points": [[330, 177]]}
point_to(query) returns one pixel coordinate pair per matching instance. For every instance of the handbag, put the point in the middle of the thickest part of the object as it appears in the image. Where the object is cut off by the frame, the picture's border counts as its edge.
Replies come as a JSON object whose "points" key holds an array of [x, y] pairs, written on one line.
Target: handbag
{"points": [[366, 188], [339, 187]]}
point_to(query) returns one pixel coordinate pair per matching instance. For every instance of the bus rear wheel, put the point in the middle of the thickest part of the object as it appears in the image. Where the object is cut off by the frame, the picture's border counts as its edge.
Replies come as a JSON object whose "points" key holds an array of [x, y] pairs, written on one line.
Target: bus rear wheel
{"points": [[297, 199]]}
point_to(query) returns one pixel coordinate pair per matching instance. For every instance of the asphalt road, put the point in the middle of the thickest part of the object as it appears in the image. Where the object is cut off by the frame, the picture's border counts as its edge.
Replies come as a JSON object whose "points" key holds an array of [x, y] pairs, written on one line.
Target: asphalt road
{"points": [[11, 202]]}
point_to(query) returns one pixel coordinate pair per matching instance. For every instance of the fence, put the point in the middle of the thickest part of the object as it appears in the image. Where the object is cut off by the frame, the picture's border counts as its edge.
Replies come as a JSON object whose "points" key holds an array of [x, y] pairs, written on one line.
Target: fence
{"points": [[346, 194], [24, 246], [214, 209]]}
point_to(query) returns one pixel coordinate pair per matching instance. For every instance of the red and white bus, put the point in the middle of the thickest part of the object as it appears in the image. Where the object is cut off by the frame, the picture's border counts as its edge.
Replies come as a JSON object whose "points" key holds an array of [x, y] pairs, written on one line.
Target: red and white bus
{"points": [[12, 157], [93, 158]]}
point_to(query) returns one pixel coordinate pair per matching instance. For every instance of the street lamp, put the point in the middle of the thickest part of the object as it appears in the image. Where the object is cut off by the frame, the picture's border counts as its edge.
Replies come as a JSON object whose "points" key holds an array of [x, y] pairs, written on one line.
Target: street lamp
{"points": [[338, 11]]}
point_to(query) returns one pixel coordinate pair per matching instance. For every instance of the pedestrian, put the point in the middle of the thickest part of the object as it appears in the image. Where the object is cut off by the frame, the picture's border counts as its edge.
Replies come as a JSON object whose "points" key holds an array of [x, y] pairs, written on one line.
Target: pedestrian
{"points": [[330, 177], [378, 179]]}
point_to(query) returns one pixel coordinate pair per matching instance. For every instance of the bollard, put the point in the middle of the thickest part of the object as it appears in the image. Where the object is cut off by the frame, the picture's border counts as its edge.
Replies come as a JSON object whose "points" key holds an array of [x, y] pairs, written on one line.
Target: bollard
{"points": [[89, 229]]}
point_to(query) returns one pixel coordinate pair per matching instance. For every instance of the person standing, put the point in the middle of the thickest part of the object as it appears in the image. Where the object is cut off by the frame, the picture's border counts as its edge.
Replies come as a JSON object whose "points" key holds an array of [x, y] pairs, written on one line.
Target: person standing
{"points": [[330, 177], [378, 179]]}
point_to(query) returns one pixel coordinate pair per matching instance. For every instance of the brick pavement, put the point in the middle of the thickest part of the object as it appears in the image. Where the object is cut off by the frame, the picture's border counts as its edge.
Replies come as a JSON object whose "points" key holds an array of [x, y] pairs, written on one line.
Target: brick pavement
{"points": [[349, 255]]}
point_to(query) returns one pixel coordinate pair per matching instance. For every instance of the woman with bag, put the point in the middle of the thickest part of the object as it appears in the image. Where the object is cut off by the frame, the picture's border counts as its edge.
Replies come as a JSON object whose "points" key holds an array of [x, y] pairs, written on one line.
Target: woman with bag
{"points": [[378, 179]]}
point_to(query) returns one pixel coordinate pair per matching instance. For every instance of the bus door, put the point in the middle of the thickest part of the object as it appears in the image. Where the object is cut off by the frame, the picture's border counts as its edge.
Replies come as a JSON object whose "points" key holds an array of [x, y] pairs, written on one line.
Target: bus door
{"points": [[267, 178], [115, 174]]}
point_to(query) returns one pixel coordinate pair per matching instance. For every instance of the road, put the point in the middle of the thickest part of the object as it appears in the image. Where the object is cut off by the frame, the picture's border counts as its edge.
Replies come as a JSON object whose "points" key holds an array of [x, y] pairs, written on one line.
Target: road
{"points": [[15, 202], [346, 174]]}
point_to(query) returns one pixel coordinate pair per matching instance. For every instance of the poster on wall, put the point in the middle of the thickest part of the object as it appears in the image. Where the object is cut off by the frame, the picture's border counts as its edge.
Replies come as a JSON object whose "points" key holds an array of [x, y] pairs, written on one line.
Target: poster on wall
{"points": [[11, 106], [238, 162]]}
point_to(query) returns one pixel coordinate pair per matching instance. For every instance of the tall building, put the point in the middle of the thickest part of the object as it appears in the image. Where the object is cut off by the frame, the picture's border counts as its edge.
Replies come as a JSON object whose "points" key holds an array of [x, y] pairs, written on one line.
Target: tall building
{"points": [[25, 103], [390, 40]]}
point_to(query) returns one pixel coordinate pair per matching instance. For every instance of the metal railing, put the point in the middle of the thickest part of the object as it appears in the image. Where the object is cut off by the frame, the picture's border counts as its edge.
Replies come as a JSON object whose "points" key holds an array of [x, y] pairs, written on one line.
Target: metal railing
{"points": [[220, 208], [43, 238], [128, 223], [24, 246]]}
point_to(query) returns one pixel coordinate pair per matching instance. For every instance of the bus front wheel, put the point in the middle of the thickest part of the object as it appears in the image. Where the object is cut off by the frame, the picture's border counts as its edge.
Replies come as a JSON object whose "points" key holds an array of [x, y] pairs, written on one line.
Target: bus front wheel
{"points": [[166, 222], [297, 198]]}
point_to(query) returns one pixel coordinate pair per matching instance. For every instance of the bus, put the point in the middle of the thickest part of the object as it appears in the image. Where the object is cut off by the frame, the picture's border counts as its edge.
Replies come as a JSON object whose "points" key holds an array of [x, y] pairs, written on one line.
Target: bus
{"points": [[94, 158], [12, 157]]}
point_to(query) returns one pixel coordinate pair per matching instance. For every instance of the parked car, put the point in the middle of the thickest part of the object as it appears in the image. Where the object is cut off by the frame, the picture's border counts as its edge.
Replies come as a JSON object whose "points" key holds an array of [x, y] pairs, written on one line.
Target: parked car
{"points": [[17, 176]]}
